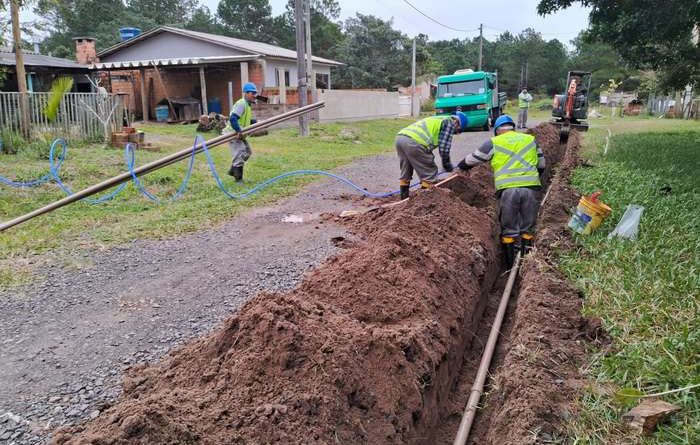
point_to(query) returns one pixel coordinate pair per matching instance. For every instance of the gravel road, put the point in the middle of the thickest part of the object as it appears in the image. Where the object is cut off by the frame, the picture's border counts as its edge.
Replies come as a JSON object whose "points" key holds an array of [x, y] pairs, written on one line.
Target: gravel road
{"points": [[66, 338]]}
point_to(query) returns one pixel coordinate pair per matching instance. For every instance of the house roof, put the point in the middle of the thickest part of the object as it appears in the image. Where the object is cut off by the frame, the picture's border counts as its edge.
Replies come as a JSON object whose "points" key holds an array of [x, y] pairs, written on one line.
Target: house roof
{"points": [[249, 46], [7, 58], [168, 62]]}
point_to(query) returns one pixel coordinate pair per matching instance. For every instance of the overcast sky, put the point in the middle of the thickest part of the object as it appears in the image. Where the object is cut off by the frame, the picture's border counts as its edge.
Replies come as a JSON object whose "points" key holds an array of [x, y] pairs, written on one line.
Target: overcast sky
{"points": [[496, 15]]}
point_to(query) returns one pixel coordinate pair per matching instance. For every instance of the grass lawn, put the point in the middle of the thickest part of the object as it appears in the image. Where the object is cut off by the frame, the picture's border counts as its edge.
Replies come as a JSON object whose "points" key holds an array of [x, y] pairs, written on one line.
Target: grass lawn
{"points": [[647, 292], [64, 234]]}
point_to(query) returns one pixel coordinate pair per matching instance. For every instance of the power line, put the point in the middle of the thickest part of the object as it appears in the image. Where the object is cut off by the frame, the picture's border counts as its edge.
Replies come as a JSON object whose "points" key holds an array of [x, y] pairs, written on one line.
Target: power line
{"points": [[441, 24]]}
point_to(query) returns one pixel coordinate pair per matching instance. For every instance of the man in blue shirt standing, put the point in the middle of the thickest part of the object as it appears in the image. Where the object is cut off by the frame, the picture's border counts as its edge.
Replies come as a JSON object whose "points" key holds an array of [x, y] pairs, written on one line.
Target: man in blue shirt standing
{"points": [[241, 116]]}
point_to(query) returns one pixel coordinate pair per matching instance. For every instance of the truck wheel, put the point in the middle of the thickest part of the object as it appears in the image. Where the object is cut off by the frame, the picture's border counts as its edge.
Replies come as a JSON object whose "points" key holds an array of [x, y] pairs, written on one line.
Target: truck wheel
{"points": [[487, 125]]}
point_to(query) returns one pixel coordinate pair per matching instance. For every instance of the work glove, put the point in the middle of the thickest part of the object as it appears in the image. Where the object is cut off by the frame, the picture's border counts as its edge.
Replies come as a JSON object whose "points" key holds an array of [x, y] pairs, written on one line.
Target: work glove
{"points": [[463, 166], [447, 165]]}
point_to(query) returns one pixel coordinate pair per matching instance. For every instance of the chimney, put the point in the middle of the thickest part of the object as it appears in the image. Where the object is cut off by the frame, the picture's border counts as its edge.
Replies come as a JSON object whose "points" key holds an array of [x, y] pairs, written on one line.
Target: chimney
{"points": [[85, 52]]}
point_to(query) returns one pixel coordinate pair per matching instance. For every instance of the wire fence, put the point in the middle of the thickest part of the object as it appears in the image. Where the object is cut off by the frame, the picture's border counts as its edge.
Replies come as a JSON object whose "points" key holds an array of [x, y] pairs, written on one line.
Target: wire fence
{"points": [[80, 115]]}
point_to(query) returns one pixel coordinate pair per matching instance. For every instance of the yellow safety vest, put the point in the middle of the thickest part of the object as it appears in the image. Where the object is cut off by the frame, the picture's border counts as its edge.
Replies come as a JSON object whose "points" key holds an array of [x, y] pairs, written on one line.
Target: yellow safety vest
{"points": [[514, 160], [243, 121], [425, 131], [522, 103]]}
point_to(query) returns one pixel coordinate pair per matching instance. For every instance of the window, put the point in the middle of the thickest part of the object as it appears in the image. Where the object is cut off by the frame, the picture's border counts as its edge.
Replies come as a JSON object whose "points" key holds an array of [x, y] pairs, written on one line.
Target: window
{"points": [[465, 88], [286, 78], [322, 80]]}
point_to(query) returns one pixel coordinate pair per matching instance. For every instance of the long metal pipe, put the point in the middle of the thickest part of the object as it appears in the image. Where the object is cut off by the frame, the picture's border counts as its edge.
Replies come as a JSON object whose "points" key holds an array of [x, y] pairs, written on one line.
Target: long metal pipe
{"points": [[158, 164], [478, 387]]}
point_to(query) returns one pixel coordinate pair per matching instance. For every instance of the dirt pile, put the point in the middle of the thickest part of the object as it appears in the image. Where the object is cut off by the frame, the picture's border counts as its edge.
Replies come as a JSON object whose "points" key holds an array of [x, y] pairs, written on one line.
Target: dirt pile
{"points": [[365, 350]]}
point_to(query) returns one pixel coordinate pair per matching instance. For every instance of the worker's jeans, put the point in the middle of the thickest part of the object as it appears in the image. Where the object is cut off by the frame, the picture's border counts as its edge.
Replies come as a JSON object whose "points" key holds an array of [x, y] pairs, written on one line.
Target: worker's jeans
{"points": [[518, 211], [240, 151], [522, 118], [413, 156]]}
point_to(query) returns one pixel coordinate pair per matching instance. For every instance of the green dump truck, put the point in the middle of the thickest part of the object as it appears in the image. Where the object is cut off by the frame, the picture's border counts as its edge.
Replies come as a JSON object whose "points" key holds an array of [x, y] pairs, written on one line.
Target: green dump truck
{"points": [[472, 92]]}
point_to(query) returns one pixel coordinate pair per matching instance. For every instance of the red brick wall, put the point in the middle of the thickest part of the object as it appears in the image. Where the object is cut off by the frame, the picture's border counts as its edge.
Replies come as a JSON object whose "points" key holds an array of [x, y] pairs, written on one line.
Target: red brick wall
{"points": [[184, 82], [85, 52]]}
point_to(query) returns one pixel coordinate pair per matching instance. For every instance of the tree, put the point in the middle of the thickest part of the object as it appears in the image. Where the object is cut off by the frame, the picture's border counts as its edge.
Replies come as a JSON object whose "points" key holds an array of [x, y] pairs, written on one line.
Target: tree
{"points": [[246, 19], [202, 20], [325, 32], [601, 60], [376, 55], [647, 34], [164, 12]]}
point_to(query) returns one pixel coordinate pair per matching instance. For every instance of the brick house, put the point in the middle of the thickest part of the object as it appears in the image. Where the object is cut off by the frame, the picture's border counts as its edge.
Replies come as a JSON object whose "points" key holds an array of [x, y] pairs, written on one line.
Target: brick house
{"points": [[195, 65]]}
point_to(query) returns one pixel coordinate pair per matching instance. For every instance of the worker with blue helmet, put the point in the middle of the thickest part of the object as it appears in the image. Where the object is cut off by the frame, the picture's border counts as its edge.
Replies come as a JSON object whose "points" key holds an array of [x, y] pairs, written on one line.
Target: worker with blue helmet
{"points": [[241, 116], [517, 163], [415, 145]]}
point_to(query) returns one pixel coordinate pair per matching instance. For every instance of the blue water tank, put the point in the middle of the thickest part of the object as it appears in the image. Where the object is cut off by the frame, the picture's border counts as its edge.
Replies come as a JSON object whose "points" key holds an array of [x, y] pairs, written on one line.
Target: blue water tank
{"points": [[127, 33], [214, 105]]}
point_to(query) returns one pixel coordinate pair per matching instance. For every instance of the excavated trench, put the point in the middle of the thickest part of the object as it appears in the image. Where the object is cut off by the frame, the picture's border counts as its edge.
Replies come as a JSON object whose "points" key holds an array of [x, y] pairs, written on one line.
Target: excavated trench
{"points": [[372, 347]]}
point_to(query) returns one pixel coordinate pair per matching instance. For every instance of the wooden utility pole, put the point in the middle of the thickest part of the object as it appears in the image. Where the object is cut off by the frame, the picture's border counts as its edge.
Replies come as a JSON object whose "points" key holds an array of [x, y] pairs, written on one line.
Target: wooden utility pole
{"points": [[20, 71], [413, 78], [310, 74], [301, 64], [481, 45]]}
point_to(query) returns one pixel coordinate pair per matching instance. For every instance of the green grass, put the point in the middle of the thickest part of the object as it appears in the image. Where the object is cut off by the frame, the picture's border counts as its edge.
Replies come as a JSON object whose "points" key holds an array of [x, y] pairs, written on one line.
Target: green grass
{"points": [[647, 292], [63, 235]]}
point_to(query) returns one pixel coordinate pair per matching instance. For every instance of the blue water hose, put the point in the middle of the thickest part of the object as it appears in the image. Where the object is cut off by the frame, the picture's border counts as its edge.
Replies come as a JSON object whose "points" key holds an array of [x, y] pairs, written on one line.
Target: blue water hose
{"points": [[55, 163]]}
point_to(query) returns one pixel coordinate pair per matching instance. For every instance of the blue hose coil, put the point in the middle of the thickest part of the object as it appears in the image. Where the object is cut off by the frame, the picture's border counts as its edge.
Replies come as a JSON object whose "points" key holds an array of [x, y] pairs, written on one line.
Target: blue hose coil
{"points": [[55, 163]]}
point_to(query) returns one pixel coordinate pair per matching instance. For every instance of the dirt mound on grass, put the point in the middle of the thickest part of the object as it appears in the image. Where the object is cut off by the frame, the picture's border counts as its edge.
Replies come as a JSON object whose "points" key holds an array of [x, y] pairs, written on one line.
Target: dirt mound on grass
{"points": [[365, 350]]}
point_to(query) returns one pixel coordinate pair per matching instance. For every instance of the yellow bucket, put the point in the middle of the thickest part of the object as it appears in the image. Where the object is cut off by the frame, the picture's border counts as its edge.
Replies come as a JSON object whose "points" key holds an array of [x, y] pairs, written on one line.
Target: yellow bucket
{"points": [[589, 214]]}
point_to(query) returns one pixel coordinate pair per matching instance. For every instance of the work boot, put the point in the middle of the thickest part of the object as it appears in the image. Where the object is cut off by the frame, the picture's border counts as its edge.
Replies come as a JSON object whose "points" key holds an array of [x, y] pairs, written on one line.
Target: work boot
{"points": [[238, 173], [405, 189], [508, 250], [526, 242], [232, 170]]}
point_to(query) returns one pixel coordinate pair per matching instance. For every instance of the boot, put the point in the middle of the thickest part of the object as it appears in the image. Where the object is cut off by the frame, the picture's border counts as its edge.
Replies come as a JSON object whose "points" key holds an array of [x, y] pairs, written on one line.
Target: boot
{"points": [[508, 250], [238, 173], [526, 242], [405, 189], [232, 170]]}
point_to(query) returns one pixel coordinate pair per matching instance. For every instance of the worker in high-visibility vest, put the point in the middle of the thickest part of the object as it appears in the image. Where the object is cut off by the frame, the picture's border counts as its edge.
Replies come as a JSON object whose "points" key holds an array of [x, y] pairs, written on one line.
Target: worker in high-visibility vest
{"points": [[415, 145], [241, 116], [524, 99], [517, 164]]}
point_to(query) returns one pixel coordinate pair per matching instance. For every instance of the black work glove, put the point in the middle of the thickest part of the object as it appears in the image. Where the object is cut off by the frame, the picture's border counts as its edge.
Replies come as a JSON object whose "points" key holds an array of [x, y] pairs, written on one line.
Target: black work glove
{"points": [[463, 166], [447, 165]]}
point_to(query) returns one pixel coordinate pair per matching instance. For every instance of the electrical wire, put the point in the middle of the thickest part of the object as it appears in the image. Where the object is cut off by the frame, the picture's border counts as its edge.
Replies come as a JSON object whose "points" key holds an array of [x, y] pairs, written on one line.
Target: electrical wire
{"points": [[439, 23]]}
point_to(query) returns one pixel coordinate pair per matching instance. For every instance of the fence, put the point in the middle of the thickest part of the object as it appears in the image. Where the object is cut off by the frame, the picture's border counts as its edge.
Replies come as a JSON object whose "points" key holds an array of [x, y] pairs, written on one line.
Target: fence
{"points": [[77, 114], [356, 105]]}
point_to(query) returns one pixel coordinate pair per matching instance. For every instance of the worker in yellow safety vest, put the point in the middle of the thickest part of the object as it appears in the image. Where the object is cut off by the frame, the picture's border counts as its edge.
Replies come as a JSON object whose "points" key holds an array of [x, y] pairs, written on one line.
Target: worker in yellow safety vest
{"points": [[415, 145], [524, 99], [517, 164], [241, 116]]}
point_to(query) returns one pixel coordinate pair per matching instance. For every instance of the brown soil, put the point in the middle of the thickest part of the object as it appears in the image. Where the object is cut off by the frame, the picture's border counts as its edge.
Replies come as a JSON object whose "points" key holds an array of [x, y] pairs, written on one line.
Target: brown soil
{"points": [[537, 379], [369, 347]]}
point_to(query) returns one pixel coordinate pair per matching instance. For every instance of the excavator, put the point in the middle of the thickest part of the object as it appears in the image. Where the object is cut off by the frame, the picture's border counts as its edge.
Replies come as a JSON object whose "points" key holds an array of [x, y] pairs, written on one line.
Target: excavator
{"points": [[571, 109]]}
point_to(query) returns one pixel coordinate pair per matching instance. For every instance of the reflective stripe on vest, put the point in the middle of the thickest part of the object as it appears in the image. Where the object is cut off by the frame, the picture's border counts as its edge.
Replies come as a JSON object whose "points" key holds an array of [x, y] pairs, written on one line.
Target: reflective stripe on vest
{"points": [[514, 160], [425, 131], [243, 121]]}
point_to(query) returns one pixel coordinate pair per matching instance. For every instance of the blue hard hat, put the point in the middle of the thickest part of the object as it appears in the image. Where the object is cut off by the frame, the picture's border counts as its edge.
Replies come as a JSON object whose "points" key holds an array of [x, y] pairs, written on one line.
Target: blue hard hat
{"points": [[250, 87], [503, 120], [463, 121]]}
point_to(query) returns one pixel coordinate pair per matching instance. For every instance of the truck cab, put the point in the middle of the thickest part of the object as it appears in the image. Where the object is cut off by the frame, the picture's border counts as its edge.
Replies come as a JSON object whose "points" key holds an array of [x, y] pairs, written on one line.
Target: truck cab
{"points": [[474, 93]]}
